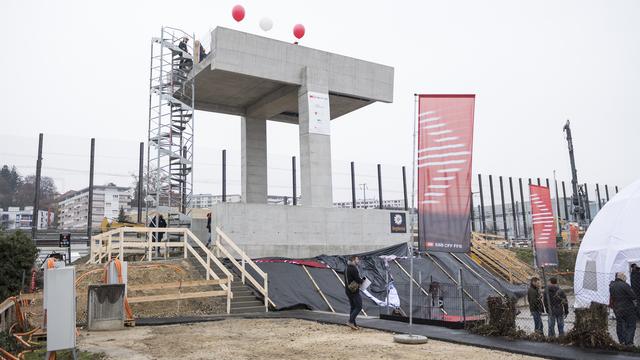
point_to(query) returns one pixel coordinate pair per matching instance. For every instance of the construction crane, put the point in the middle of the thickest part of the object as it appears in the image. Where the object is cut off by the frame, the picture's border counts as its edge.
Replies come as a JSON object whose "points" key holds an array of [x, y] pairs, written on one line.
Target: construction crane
{"points": [[577, 208]]}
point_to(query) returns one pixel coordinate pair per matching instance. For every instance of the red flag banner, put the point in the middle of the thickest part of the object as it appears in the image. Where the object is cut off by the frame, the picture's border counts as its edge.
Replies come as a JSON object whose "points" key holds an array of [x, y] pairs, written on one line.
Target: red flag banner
{"points": [[543, 222], [445, 142]]}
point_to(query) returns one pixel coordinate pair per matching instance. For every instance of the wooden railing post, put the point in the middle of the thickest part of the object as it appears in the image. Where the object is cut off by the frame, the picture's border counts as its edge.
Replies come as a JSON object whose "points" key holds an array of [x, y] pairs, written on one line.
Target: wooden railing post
{"points": [[185, 241], [91, 249], [149, 251], [229, 294], [208, 265], [243, 270], [109, 247], [266, 293], [121, 244]]}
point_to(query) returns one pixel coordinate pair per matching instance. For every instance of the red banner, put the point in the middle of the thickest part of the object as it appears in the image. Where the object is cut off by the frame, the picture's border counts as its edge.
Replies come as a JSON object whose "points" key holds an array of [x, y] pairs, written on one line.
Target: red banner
{"points": [[445, 143], [544, 239]]}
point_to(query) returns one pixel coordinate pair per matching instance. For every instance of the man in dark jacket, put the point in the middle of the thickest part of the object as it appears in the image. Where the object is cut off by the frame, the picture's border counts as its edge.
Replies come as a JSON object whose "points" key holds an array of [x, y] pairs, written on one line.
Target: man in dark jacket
{"points": [[635, 279], [209, 228], [355, 300], [535, 304], [556, 305], [156, 222], [622, 300]]}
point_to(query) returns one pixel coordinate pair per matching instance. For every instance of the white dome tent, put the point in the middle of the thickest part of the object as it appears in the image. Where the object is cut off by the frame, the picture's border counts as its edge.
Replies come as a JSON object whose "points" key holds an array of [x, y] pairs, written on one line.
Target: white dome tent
{"points": [[611, 244]]}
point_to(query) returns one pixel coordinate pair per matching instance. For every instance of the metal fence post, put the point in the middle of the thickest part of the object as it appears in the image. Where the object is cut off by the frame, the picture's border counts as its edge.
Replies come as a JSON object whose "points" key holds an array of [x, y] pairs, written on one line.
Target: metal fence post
{"points": [[380, 187], [564, 200], [293, 180], [224, 175], [513, 209], [404, 189], [524, 213], [90, 205], [482, 222], [504, 211], [353, 185], [493, 206]]}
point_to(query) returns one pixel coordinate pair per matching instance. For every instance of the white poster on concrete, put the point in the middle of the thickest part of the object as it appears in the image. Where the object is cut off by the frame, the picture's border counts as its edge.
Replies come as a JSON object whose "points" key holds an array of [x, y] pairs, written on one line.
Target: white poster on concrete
{"points": [[319, 116]]}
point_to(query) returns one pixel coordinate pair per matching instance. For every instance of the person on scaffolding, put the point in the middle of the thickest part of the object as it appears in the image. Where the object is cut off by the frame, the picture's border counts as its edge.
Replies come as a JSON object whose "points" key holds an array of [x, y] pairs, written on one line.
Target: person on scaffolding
{"points": [[557, 306], [352, 289], [535, 304], [185, 64], [623, 301]]}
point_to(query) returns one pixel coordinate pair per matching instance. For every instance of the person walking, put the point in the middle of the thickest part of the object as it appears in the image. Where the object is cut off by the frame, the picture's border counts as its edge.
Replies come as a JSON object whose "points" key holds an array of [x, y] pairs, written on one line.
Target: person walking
{"points": [[622, 299], [535, 304], [352, 281], [557, 307], [209, 229]]}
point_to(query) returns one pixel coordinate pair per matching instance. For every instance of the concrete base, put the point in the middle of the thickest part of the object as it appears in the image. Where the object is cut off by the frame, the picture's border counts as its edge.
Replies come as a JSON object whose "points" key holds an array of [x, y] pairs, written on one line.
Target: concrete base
{"points": [[410, 339], [264, 230]]}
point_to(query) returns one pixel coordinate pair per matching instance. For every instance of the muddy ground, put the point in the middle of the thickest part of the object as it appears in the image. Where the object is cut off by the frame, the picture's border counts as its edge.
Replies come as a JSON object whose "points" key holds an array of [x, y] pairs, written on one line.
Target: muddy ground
{"points": [[270, 339]]}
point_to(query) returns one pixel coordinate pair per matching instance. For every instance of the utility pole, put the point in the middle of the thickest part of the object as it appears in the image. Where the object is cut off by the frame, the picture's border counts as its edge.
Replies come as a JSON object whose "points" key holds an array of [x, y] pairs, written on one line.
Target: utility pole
{"points": [[364, 188], [577, 210], [36, 200]]}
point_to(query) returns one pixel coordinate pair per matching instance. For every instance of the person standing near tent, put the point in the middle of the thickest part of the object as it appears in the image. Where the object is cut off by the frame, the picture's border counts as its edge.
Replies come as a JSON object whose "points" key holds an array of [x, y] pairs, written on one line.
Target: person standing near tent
{"points": [[623, 301], [557, 307], [635, 279], [535, 304], [352, 283]]}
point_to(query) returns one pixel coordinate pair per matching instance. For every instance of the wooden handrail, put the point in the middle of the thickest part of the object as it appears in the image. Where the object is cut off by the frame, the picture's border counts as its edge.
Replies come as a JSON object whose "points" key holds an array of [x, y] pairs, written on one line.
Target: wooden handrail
{"points": [[239, 251], [264, 289]]}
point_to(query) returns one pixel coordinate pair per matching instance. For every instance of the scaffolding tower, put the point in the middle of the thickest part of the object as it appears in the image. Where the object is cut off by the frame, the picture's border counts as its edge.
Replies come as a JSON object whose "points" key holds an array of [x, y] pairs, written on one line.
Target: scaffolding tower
{"points": [[171, 111]]}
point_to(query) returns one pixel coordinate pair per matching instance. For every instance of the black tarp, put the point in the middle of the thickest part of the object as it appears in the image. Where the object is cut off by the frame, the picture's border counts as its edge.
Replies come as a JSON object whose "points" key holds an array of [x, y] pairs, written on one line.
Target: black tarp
{"points": [[290, 286]]}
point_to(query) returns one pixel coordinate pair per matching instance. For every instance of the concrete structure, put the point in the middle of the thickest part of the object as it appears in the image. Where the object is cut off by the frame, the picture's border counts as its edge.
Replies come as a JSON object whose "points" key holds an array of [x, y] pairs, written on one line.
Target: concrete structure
{"points": [[15, 218], [263, 79], [301, 232], [107, 201]]}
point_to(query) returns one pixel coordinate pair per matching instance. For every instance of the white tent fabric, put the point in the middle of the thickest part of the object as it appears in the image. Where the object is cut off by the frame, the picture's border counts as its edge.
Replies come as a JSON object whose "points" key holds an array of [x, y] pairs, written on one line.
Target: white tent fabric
{"points": [[611, 244]]}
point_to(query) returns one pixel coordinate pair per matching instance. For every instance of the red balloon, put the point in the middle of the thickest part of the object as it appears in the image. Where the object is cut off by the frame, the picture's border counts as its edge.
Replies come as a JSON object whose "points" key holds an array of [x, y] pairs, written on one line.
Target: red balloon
{"points": [[238, 13], [298, 31]]}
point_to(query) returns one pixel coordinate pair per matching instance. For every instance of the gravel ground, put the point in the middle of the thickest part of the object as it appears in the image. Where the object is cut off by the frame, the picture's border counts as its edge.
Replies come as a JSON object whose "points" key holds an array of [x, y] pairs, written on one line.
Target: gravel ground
{"points": [[270, 339]]}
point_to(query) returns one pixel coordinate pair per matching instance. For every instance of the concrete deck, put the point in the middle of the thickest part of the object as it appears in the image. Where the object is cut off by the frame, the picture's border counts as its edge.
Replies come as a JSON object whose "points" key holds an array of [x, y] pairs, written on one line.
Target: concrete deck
{"points": [[254, 76]]}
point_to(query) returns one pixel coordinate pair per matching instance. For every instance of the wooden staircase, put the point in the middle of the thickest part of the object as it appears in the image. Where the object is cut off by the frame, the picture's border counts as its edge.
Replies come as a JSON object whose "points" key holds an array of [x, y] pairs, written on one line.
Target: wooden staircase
{"points": [[500, 261], [245, 299]]}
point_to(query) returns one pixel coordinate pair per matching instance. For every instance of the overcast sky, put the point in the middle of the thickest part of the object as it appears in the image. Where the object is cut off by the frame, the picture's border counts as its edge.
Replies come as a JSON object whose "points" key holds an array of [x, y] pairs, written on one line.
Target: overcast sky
{"points": [[79, 69]]}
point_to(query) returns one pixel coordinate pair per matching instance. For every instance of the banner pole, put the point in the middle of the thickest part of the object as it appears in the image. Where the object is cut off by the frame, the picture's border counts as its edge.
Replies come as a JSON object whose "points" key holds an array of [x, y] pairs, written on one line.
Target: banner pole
{"points": [[413, 172], [413, 192]]}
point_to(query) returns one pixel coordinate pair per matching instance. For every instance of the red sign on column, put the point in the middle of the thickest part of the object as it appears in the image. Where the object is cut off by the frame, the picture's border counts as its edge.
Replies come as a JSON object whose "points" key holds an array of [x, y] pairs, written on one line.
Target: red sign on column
{"points": [[543, 222], [445, 142]]}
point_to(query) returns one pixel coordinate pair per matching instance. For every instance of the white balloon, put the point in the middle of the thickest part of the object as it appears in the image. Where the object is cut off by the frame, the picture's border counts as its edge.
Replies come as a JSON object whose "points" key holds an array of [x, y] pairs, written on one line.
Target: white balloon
{"points": [[266, 24]]}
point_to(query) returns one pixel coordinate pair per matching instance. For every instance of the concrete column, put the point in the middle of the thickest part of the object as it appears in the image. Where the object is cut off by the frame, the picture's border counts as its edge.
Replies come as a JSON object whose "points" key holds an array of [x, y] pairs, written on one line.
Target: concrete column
{"points": [[315, 148], [254, 160]]}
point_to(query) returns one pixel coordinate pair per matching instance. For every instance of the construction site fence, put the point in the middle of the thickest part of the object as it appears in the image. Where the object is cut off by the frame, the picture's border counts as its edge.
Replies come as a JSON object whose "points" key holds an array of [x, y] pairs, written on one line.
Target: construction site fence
{"points": [[593, 288], [66, 160], [435, 301]]}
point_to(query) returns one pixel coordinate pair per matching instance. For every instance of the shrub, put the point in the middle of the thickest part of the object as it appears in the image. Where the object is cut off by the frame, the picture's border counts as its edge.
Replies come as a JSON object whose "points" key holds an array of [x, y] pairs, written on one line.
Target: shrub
{"points": [[17, 256]]}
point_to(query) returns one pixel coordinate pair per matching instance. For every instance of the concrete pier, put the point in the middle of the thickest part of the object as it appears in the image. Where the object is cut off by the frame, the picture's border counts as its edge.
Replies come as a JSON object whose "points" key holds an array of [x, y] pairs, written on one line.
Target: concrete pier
{"points": [[260, 79]]}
